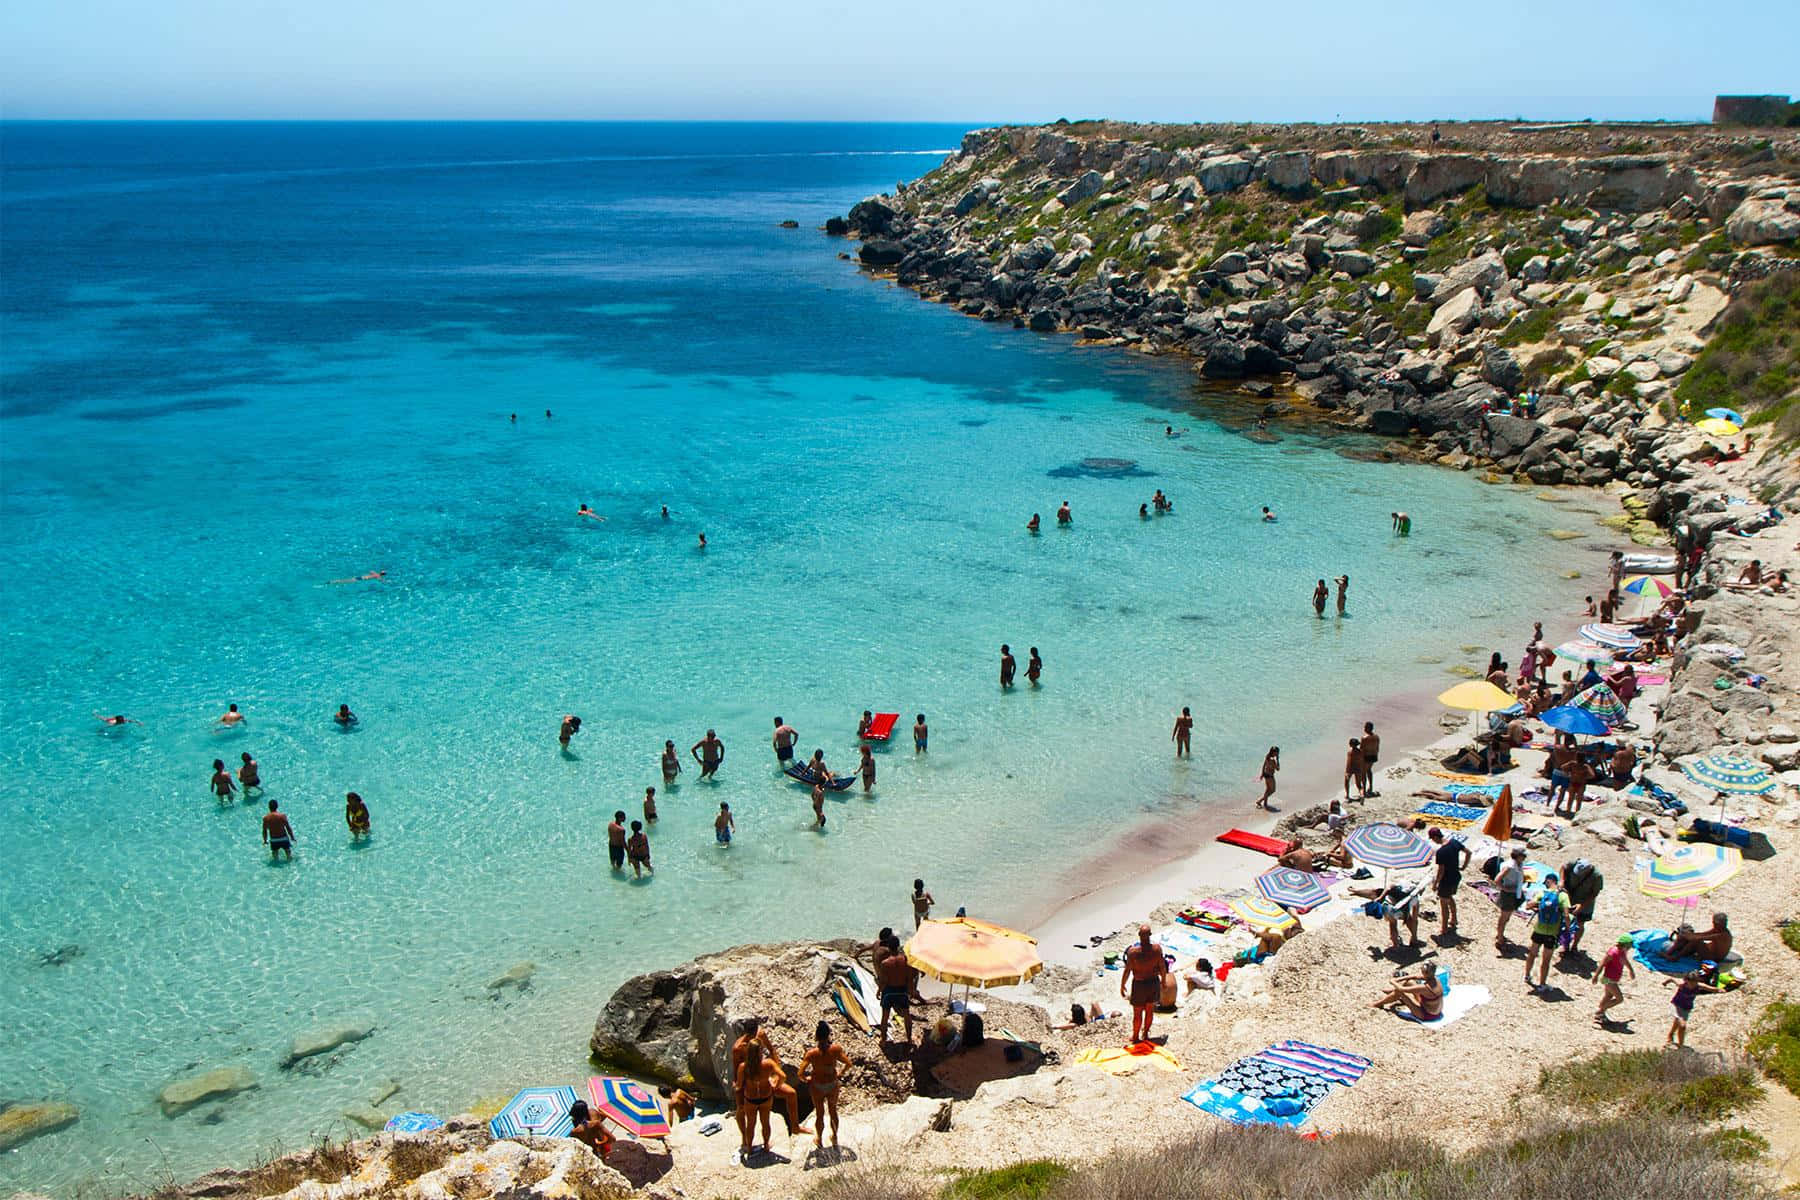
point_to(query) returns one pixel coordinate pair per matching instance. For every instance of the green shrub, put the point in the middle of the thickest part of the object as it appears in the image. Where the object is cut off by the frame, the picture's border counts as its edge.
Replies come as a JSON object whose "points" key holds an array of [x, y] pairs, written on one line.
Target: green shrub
{"points": [[1651, 1081], [1030, 1180], [1534, 326], [1738, 1144], [1790, 934], [1775, 1043]]}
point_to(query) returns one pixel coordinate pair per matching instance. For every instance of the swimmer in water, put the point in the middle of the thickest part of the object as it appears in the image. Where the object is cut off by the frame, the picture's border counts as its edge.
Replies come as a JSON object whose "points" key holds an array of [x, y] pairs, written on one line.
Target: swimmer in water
{"points": [[665, 512], [724, 825], [356, 816], [249, 775], [222, 786], [1063, 516], [1032, 525], [703, 541], [231, 717], [1319, 594], [1402, 523], [867, 769], [277, 833], [650, 805], [116, 719], [363, 578], [921, 734], [1143, 512], [514, 418], [571, 725], [344, 718], [1034, 667], [585, 511], [1267, 515], [818, 799], [546, 414], [1007, 666]]}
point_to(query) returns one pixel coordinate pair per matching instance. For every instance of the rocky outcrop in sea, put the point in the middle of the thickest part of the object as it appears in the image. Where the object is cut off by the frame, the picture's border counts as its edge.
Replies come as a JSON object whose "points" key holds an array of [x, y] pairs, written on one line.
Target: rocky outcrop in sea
{"points": [[1392, 282]]}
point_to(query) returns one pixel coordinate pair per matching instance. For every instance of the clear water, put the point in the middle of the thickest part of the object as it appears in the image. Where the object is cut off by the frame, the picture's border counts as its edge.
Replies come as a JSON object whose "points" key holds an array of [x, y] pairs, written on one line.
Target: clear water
{"points": [[243, 361]]}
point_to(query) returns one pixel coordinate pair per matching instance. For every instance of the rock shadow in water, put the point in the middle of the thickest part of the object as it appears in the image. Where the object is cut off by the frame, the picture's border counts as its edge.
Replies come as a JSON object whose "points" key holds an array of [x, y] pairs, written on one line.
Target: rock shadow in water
{"points": [[1101, 468]]}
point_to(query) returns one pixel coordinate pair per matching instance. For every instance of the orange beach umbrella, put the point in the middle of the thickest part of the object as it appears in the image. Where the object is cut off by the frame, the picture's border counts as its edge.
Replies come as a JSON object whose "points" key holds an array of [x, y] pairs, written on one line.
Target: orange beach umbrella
{"points": [[973, 952], [1499, 819]]}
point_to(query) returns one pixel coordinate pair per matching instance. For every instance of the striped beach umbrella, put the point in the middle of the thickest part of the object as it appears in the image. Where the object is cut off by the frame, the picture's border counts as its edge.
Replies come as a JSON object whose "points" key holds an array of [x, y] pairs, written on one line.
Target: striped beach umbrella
{"points": [[536, 1112], [1691, 869], [1387, 846], [1613, 637], [1292, 887], [1259, 913], [1583, 651], [1729, 773], [413, 1122], [975, 953], [1637, 585], [630, 1104], [1603, 702]]}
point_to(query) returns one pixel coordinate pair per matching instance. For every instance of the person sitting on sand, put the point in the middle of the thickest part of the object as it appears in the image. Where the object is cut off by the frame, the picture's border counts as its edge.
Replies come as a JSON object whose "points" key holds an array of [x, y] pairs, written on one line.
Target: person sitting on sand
{"points": [[1624, 762], [1338, 854], [1749, 577], [589, 1129], [1711, 944], [1297, 857], [1422, 993], [1080, 1015], [1268, 941], [679, 1104]]}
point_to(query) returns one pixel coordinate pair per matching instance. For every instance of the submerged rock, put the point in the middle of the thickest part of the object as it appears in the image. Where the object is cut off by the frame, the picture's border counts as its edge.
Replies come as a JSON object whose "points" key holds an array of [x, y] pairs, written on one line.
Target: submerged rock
{"points": [[181, 1095], [329, 1037], [62, 956], [518, 977], [19, 1123]]}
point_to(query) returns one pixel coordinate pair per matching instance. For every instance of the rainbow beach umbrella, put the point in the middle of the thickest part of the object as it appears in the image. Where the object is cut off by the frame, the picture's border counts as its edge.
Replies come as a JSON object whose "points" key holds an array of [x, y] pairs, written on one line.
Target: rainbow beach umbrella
{"points": [[1292, 888], [1603, 702], [1637, 585], [1691, 869], [1387, 846], [535, 1112], [628, 1103], [1730, 773], [1259, 913], [1583, 651]]}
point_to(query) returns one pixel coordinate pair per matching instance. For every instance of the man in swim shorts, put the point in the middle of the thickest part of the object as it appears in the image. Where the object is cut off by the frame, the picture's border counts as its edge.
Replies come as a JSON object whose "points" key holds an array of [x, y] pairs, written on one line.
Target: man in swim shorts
{"points": [[920, 735], [1371, 749], [894, 974], [615, 841], [1007, 665], [1063, 516], [785, 737], [1144, 970], [277, 834], [709, 752], [231, 716], [724, 825]]}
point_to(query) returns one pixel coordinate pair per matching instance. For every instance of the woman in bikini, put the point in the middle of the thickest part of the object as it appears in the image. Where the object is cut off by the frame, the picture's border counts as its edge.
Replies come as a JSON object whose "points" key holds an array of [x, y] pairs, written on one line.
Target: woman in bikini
{"points": [[1271, 764], [756, 1080], [819, 1071], [671, 764]]}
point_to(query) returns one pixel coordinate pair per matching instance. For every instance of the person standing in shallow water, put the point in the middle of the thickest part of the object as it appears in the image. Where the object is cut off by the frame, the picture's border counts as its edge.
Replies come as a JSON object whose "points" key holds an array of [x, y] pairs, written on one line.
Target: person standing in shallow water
{"points": [[221, 785], [671, 763], [1034, 667], [1184, 733], [249, 775], [571, 725], [1063, 515], [277, 833], [650, 805], [1343, 590], [1271, 764], [356, 816], [615, 840], [1032, 525], [637, 849], [709, 752], [867, 769], [920, 734], [785, 737], [1007, 665], [1320, 593]]}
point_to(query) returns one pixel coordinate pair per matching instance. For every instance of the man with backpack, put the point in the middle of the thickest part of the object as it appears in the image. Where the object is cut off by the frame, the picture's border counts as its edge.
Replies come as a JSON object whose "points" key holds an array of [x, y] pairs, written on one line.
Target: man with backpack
{"points": [[1583, 883], [1552, 913]]}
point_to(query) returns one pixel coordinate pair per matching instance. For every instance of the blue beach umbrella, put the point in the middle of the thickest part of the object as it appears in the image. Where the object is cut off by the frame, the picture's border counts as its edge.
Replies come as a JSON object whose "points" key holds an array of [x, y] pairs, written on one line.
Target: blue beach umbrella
{"points": [[1726, 414], [1574, 720], [413, 1122], [536, 1112]]}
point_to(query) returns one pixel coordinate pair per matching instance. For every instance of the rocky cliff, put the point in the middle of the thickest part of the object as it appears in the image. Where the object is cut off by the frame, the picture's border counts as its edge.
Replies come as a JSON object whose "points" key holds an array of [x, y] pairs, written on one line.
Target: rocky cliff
{"points": [[1398, 280]]}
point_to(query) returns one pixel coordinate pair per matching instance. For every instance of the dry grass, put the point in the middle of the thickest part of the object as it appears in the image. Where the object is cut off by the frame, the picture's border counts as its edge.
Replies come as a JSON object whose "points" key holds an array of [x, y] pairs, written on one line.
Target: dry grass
{"points": [[1699, 1086]]}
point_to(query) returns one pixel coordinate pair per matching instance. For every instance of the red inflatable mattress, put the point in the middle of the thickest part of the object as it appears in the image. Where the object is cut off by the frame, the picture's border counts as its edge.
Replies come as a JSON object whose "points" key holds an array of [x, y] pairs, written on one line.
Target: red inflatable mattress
{"points": [[1253, 841], [882, 727]]}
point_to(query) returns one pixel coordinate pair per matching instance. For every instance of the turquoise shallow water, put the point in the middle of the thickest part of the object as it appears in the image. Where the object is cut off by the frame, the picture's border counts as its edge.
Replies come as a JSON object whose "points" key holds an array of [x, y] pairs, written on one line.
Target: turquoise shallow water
{"points": [[240, 366]]}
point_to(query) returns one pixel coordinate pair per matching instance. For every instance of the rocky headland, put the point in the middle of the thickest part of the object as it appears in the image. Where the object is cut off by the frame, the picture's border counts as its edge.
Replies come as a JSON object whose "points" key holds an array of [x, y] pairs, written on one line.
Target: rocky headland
{"points": [[1397, 279]]}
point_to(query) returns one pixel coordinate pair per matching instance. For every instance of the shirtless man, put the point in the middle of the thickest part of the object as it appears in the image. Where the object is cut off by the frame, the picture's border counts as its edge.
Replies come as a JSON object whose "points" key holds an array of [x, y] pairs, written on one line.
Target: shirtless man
{"points": [[1144, 971], [709, 752], [895, 976], [863, 723], [724, 825], [785, 737], [1184, 733], [921, 734], [1298, 857], [222, 786], [585, 511], [1063, 516], [615, 840], [1267, 514], [277, 834], [363, 578], [249, 776], [232, 717], [1007, 666], [1371, 751], [117, 719], [1712, 944], [1320, 593], [650, 805], [1343, 587]]}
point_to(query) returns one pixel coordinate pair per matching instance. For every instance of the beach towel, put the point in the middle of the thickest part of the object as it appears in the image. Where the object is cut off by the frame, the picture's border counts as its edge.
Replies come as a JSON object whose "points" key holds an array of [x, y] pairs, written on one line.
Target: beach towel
{"points": [[1239, 1109], [1487, 791], [1338, 1066], [1458, 776], [1459, 1001], [1117, 1061], [1647, 946], [1187, 943], [1450, 824], [1645, 679]]}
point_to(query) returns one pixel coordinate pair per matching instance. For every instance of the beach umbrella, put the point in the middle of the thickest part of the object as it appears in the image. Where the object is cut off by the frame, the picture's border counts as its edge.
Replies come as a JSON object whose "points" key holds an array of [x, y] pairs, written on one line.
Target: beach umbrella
{"points": [[1718, 427], [1387, 846], [1574, 720], [1603, 702], [1729, 773], [1583, 651], [1726, 414], [1637, 585], [1691, 869], [630, 1104], [975, 953], [1499, 819], [1477, 695], [535, 1112], [414, 1122], [1613, 637], [1292, 887], [1259, 913]]}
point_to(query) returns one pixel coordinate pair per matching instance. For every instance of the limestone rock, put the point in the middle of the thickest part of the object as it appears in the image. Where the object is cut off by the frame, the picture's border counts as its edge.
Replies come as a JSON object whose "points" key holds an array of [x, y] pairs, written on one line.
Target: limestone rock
{"points": [[1482, 273], [367, 1116], [1088, 185], [517, 977], [881, 252], [1763, 223], [1500, 368], [19, 1123], [1419, 228], [181, 1095], [326, 1038], [1354, 263], [1457, 315], [1224, 173], [1289, 171]]}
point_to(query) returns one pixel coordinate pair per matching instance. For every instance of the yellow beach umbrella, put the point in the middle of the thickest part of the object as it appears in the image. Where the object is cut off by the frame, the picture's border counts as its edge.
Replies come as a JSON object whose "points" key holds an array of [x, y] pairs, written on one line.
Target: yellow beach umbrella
{"points": [[1718, 426], [975, 953], [1477, 695]]}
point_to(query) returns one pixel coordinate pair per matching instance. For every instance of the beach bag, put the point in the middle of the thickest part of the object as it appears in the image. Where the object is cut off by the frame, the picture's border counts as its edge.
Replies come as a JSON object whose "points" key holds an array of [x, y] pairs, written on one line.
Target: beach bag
{"points": [[973, 1032]]}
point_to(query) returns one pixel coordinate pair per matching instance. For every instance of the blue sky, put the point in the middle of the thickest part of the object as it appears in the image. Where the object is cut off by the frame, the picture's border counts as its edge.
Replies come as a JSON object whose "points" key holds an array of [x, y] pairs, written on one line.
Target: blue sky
{"points": [[952, 60]]}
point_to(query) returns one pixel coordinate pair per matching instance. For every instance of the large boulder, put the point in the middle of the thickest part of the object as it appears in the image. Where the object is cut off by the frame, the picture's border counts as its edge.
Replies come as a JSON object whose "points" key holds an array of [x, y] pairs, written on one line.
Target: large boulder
{"points": [[1419, 228], [1763, 223], [1354, 263], [1454, 316], [1289, 171], [1509, 435], [1089, 184], [1482, 273], [325, 1039], [1500, 368], [1443, 175], [19, 1123], [1224, 360], [182, 1094], [872, 216], [881, 252], [1224, 173]]}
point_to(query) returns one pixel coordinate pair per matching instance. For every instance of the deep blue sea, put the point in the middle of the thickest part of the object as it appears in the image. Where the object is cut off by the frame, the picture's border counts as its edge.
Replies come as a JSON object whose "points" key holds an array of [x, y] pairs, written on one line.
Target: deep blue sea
{"points": [[241, 361]]}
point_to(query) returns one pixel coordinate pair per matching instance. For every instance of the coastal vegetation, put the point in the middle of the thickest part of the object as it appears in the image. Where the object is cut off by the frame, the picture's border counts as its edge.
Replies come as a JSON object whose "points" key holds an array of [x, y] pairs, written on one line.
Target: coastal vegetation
{"points": [[1752, 361]]}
